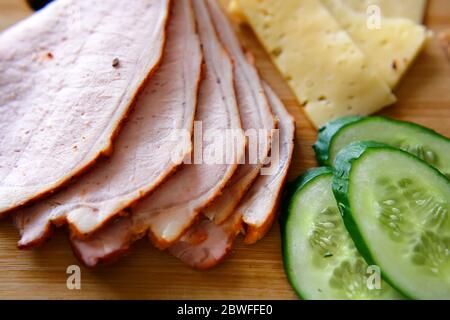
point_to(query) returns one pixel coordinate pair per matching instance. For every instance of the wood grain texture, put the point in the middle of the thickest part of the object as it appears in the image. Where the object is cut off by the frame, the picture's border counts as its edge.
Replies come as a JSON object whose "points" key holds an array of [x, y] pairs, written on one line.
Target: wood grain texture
{"points": [[252, 272]]}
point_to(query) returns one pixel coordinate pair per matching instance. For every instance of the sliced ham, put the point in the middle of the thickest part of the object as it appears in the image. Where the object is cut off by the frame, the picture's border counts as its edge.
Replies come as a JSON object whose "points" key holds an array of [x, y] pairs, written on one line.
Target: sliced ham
{"points": [[207, 244], [69, 75], [154, 141], [176, 204], [256, 115], [259, 206], [107, 245]]}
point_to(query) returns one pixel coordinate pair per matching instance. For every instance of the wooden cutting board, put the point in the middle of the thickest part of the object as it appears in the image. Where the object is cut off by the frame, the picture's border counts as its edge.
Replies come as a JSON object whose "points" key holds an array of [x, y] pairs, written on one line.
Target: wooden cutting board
{"points": [[252, 272]]}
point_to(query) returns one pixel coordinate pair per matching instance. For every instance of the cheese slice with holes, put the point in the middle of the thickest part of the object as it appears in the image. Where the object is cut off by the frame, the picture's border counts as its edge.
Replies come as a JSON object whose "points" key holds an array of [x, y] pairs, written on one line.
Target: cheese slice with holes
{"points": [[410, 9], [391, 47], [330, 76], [390, 44], [413, 10]]}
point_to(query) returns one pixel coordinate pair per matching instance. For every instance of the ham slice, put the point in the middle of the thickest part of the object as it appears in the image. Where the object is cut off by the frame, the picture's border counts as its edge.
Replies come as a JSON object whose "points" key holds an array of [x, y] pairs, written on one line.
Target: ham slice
{"points": [[259, 206], [107, 245], [176, 204], [207, 244], [257, 119], [148, 149], [69, 76]]}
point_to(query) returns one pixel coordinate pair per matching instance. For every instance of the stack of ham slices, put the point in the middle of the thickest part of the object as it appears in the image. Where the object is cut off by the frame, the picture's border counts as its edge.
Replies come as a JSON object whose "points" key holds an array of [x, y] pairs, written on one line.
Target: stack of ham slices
{"points": [[103, 102]]}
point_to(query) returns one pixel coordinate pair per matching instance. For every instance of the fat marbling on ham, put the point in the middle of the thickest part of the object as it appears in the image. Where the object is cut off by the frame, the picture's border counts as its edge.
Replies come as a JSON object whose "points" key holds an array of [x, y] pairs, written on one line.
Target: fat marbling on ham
{"points": [[177, 203], [256, 116], [69, 75], [147, 150], [206, 244]]}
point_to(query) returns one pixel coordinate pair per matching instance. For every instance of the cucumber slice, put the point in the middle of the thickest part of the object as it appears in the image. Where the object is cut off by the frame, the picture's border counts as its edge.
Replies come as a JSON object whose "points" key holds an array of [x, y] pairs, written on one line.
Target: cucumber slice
{"points": [[422, 142], [396, 208], [325, 143], [320, 258]]}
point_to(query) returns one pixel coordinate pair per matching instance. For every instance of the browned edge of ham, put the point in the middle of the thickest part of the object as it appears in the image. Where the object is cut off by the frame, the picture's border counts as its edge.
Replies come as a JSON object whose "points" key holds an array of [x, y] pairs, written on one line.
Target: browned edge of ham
{"points": [[177, 204], [260, 204], [207, 244], [52, 91], [145, 151], [256, 115]]}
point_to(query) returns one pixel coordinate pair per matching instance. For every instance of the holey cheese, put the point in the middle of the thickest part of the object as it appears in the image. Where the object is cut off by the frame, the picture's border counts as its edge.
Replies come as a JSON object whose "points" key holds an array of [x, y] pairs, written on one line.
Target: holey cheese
{"points": [[410, 9], [326, 70], [413, 10], [390, 47]]}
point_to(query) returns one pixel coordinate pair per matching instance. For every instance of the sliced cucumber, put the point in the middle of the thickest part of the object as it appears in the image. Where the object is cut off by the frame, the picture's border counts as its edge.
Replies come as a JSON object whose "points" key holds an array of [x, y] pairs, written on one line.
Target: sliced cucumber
{"points": [[325, 147], [320, 258], [396, 208], [422, 142]]}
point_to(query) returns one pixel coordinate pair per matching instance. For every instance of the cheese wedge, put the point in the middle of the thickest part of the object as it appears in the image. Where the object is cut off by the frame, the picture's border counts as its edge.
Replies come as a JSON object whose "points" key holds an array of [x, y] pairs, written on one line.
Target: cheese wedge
{"points": [[410, 9], [391, 48], [326, 70], [413, 10]]}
